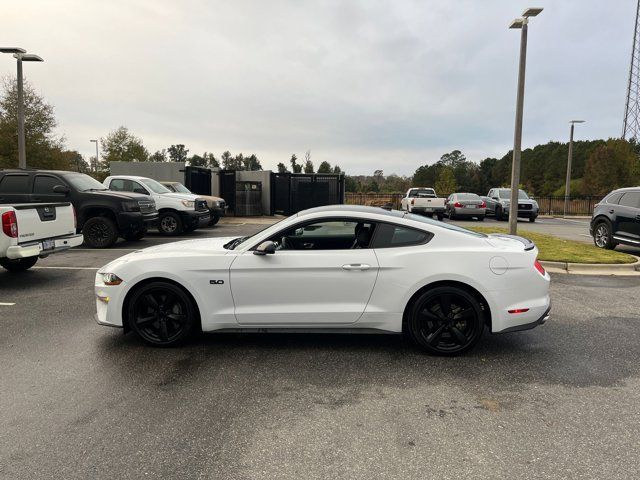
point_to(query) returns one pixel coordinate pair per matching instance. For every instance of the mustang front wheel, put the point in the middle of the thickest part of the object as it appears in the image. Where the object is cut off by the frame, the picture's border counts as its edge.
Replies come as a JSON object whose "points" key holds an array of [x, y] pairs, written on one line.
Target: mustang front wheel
{"points": [[161, 313], [445, 321]]}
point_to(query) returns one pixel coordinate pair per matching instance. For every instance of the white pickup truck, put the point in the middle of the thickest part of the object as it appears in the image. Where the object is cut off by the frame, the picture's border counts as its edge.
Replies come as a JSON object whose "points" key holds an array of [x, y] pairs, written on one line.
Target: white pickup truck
{"points": [[423, 200], [35, 230]]}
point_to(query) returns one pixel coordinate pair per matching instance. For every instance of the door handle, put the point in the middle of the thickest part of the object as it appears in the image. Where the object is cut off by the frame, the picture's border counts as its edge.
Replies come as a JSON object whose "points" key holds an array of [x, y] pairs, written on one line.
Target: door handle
{"points": [[356, 266]]}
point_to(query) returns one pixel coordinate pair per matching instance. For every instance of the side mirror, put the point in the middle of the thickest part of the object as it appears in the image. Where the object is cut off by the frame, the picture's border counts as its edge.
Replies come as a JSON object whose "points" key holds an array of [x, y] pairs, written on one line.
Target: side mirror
{"points": [[265, 248], [61, 189]]}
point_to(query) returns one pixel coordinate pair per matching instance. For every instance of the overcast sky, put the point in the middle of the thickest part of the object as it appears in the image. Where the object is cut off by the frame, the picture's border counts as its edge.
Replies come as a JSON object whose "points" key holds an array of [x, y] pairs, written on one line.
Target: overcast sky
{"points": [[366, 84]]}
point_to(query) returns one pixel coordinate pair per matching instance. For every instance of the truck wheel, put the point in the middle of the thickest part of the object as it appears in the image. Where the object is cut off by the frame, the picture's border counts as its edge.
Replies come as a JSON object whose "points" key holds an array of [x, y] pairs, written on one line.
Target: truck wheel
{"points": [[18, 264], [532, 219], [134, 236], [214, 219], [169, 224], [100, 232], [499, 214], [440, 216]]}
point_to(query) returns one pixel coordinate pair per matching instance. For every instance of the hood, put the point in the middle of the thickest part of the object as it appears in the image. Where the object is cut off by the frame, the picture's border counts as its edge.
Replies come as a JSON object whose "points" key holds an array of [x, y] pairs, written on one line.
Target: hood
{"points": [[122, 195], [182, 196]]}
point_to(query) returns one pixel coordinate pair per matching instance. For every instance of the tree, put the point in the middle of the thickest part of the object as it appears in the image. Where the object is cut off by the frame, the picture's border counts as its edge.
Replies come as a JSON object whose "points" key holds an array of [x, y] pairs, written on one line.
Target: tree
{"points": [[251, 162], [372, 187], [227, 160], [207, 160], [43, 148], [282, 168], [350, 184], [308, 166], [337, 169], [158, 156], [446, 182], [324, 167], [121, 146], [178, 153], [295, 167], [610, 166]]}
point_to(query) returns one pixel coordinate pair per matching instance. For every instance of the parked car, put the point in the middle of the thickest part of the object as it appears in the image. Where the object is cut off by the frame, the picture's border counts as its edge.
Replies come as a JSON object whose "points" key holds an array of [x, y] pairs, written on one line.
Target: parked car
{"points": [[178, 212], [35, 230], [217, 205], [338, 267], [103, 216], [616, 219], [423, 200], [498, 204], [460, 205]]}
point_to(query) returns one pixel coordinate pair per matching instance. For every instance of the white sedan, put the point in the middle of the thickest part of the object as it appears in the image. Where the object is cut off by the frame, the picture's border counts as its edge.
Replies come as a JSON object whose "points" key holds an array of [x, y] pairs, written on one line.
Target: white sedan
{"points": [[335, 268]]}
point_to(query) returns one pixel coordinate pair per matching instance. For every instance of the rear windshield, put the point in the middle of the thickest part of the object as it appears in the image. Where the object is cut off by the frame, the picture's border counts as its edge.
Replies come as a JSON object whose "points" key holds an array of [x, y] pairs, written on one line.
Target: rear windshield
{"points": [[422, 192], [467, 196], [448, 226]]}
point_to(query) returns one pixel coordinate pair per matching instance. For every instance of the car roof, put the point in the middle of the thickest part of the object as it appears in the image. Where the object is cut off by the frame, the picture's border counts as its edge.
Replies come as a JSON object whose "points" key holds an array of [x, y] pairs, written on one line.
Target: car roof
{"points": [[138, 177], [346, 209], [35, 170], [625, 189]]}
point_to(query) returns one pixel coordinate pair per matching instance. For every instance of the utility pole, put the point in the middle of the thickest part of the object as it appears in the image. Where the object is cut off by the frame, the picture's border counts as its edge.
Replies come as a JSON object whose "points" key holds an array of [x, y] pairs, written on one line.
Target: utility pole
{"points": [[567, 187]]}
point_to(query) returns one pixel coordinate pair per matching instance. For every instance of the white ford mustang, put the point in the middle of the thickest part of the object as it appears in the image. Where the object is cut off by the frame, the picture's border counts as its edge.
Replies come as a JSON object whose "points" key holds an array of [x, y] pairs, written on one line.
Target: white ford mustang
{"points": [[335, 268]]}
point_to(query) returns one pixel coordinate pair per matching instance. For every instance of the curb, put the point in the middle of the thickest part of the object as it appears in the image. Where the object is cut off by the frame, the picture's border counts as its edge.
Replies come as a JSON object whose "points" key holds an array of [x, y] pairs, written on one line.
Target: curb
{"points": [[593, 268]]}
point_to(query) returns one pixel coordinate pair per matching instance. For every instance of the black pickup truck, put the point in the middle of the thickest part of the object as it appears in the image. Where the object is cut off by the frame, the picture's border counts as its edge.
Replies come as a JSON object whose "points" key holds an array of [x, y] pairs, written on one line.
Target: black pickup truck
{"points": [[102, 215]]}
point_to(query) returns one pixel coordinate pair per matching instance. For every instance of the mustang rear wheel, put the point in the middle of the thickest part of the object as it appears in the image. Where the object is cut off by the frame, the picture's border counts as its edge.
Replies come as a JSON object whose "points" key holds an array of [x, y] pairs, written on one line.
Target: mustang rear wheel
{"points": [[161, 313], [445, 321]]}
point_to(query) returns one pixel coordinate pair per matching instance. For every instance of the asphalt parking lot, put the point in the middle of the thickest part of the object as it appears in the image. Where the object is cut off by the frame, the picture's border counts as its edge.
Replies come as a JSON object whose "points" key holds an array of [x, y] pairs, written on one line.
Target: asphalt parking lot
{"points": [[83, 401]]}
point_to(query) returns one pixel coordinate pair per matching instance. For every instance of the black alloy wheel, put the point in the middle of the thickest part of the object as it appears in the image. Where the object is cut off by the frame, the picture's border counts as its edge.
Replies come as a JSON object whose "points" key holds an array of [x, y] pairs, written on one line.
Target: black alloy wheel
{"points": [[18, 264], [162, 314], [602, 236], [100, 232], [446, 321], [169, 224]]}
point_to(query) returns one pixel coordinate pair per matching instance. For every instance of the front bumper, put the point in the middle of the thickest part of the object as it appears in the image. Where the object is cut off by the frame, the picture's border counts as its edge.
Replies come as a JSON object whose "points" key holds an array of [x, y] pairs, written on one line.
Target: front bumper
{"points": [[37, 249], [217, 211], [195, 218], [533, 213], [131, 221], [150, 220]]}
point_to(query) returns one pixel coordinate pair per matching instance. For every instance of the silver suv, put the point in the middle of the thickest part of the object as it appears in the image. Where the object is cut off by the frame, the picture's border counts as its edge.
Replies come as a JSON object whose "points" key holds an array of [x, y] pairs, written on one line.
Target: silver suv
{"points": [[498, 204]]}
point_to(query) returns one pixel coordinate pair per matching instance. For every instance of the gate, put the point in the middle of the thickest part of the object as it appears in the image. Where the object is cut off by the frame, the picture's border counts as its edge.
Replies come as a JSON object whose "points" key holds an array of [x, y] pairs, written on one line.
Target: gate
{"points": [[292, 192], [228, 188], [198, 180], [248, 199]]}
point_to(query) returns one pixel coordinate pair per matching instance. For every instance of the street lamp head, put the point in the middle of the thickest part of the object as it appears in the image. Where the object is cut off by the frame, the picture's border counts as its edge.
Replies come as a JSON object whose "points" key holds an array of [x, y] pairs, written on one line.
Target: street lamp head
{"points": [[577, 121], [518, 23], [12, 50], [93, 140], [28, 57], [532, 12]]}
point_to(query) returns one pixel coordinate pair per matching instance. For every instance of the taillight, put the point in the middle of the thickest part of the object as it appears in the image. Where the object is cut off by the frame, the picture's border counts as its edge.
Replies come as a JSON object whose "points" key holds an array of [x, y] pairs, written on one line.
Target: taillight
{"points": [[483, 205], [457, 205], [539, 267], [10, 224]]}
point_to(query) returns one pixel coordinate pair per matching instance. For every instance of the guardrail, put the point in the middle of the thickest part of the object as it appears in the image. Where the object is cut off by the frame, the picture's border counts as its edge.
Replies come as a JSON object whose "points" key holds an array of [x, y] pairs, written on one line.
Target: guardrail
{"points": [[551, 205]]}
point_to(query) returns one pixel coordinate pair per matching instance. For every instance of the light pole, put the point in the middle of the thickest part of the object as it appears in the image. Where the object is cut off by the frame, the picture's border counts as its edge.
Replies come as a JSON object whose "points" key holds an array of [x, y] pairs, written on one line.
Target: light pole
{"points": [[21, 55], [567, 188], [95, 167], [522, 24]]}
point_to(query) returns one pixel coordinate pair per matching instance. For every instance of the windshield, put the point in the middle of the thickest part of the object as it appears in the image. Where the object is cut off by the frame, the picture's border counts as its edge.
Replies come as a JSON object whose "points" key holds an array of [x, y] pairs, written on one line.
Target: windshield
{"points": [[155, 186], [83, 182], [448, 226], [506, 193], [178, 187], [422, 192], [233, 244]]}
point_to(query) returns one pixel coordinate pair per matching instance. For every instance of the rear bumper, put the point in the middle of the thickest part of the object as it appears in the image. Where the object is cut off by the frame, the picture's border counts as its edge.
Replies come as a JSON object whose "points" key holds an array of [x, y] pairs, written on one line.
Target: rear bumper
{"points": [[528, 326], [416, 209], [36, 249], [472, 212]]}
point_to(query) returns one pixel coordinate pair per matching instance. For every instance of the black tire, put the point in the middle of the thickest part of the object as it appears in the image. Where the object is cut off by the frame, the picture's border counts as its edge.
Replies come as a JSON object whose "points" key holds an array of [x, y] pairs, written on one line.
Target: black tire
{"points": [[170, 224], [162, 314], [532, 219], [440, 216], [134, 236], [18, 264], [602, 237], [100, 232], [445, 321], [214, 219], [452, 215], [481, 218], [499, 214]]}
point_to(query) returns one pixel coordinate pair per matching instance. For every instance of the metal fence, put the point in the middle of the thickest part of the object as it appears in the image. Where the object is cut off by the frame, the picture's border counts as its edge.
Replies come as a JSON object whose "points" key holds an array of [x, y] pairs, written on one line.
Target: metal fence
{"points": [[548, 205]]}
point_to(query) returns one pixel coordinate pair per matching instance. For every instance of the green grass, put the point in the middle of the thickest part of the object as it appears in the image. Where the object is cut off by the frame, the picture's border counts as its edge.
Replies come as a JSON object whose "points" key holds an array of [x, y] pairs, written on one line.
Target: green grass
{"points": [[557, 249]]}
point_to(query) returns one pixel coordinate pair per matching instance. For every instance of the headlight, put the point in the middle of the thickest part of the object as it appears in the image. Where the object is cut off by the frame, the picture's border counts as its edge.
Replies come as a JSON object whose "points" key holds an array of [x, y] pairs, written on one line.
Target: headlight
{"points": [[189, 203], [130, 206], [110, 279], [220, 203], [535, 204]]}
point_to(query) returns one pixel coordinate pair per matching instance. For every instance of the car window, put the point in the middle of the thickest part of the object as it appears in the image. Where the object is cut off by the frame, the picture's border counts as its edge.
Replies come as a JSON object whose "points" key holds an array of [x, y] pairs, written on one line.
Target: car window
{"points": [[83, 182], [156, 187], [334, 234], [468, 196], [614, 198], [389, 235], [44, 184], [422, 193], [126, 185], [14, 184], [630, 199]]}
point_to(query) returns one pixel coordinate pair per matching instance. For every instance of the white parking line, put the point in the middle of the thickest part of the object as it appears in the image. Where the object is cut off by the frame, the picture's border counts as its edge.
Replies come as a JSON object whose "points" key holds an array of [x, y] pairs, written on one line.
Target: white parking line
{"points": [[106, 250], [67, 268], [6, 304]]}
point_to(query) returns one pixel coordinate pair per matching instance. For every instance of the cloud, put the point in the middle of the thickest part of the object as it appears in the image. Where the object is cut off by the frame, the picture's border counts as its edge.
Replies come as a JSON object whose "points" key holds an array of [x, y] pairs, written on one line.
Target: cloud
{"points": [[365, 84]]}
